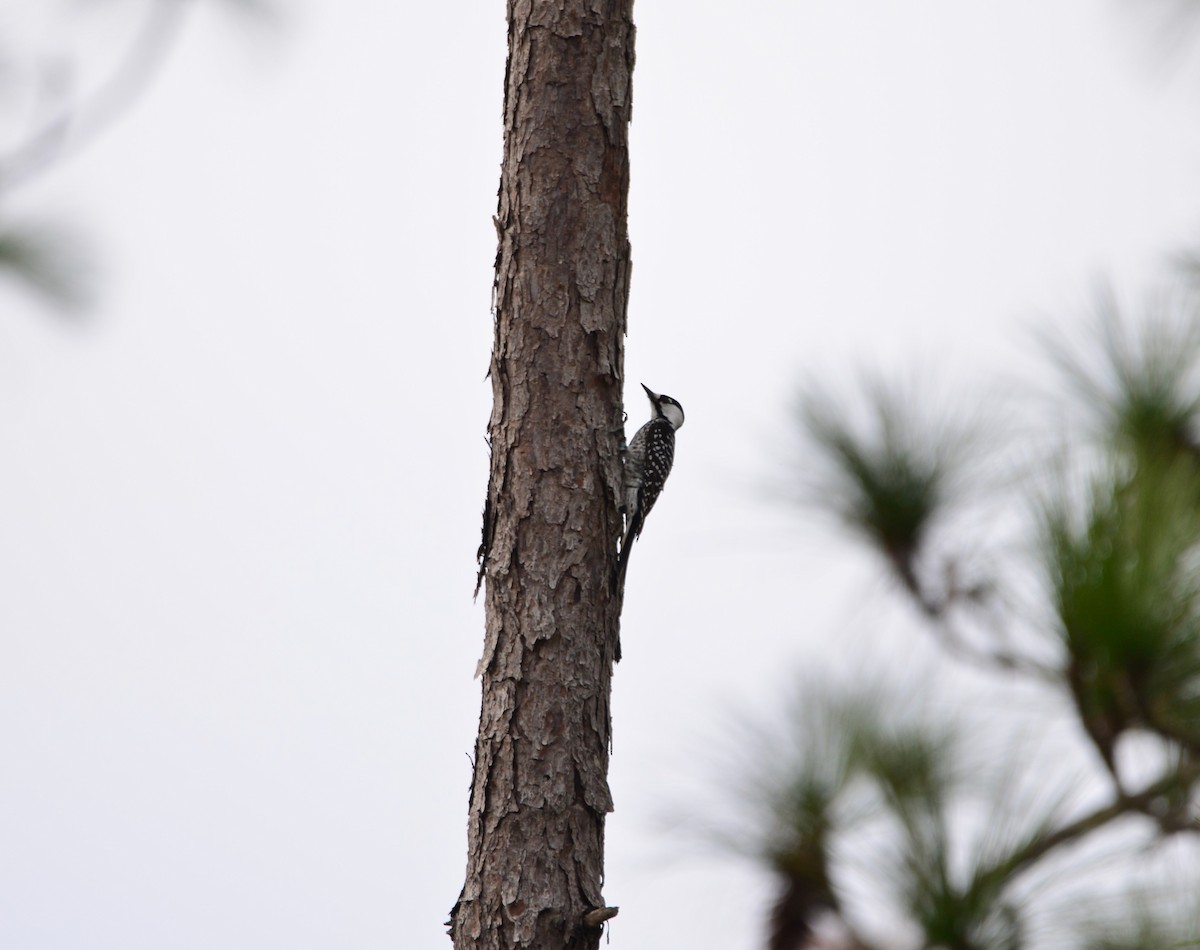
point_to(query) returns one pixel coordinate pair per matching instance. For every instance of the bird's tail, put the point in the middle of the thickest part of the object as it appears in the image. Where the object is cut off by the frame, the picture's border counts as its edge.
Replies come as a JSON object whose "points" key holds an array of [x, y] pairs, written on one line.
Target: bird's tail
{"points": [[635, 524]]}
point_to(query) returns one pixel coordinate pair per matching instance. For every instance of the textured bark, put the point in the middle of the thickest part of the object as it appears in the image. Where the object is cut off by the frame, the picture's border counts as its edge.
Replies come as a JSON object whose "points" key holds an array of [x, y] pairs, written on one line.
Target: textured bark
{"points": [[540, 794]]}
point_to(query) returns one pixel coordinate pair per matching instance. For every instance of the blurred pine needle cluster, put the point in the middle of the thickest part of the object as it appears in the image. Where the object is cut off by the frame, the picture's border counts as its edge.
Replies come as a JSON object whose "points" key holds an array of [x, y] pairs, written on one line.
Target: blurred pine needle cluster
{"points": [[890, 821]]}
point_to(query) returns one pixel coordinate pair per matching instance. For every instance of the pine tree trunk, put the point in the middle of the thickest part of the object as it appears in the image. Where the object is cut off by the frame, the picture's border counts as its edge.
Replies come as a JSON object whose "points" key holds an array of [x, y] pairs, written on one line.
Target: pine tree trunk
{"points": [[540, 794]]}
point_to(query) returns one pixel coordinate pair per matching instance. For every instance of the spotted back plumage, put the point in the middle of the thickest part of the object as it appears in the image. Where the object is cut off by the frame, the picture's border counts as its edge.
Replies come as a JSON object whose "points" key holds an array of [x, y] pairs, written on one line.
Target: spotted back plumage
{"points": [[651, 454]]}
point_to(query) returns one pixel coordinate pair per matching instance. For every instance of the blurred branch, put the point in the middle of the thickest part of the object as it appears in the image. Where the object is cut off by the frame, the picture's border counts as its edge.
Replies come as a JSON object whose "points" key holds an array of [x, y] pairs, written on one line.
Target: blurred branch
{"points": [[52, 261], [263, 11], [1142, 802], [996, 659], [76, 124], [80, 122], [1174, 24]]}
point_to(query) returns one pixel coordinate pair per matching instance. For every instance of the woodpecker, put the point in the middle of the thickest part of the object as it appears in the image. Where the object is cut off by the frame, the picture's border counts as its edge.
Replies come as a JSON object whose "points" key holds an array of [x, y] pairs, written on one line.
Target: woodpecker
{"points": [[647, 465]]}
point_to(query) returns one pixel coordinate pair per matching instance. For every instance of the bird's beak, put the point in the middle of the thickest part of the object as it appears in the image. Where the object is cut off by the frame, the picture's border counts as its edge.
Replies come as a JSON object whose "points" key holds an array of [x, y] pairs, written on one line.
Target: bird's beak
{"points": [[649, 392]]}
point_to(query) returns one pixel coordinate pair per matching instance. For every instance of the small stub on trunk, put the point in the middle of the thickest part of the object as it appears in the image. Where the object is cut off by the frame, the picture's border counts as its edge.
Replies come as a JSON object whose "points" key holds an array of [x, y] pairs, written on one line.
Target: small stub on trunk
{"points": [[598, 915]]}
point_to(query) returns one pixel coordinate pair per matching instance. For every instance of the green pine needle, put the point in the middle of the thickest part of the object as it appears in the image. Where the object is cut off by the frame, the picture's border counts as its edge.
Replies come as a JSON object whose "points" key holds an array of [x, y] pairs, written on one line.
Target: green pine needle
{"points": [[1139, 384], [890, 478], [1125, 586]]}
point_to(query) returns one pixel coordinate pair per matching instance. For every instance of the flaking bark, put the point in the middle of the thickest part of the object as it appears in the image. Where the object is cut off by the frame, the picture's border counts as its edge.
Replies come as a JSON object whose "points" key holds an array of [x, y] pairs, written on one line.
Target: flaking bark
{"points": [[539, 794]]}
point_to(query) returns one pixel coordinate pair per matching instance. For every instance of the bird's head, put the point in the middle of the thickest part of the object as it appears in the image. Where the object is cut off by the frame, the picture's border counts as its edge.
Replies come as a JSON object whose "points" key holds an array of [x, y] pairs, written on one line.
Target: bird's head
{"points": [[665, 407]]}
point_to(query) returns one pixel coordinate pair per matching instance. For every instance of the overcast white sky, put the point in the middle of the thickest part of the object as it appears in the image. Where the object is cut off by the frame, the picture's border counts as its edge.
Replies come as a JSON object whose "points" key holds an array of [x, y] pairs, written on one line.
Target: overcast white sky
{"points": [[239, 506]]}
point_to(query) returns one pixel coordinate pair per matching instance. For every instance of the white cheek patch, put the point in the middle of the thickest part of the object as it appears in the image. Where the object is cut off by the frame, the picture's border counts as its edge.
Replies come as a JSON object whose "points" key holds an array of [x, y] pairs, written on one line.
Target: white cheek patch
{"points": [[673, 414]]}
